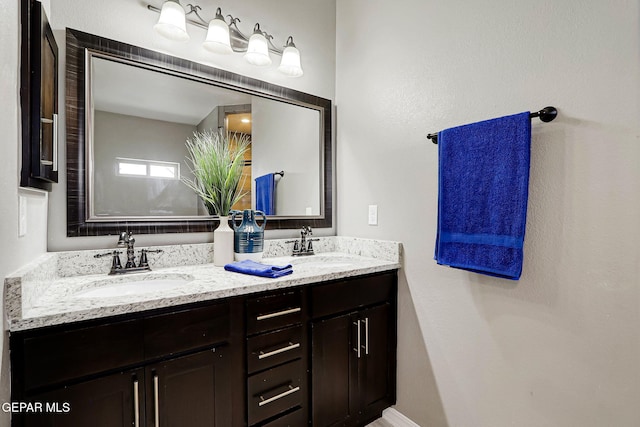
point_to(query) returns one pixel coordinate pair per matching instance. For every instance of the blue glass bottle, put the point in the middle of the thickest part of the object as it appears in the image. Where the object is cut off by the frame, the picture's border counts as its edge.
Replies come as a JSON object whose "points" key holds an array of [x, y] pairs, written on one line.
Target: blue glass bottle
{"points": [[248, 242]]}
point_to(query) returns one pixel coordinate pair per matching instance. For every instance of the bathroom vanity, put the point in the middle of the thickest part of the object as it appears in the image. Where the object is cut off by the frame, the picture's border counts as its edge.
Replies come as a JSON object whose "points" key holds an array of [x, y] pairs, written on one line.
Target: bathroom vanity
{"points": [[313, 348]]}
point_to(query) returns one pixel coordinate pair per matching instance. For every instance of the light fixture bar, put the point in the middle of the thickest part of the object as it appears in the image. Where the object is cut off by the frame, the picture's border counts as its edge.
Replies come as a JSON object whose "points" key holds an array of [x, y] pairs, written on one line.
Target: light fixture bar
{"points": [[239, 42]]}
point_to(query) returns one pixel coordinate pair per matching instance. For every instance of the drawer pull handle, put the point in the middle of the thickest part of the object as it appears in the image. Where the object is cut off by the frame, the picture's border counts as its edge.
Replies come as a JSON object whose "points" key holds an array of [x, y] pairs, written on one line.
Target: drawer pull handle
{"points": [[156, 406], [279, 313], [291, 346], [358, 339], [366, 336], [291, 390], [136, 404]]}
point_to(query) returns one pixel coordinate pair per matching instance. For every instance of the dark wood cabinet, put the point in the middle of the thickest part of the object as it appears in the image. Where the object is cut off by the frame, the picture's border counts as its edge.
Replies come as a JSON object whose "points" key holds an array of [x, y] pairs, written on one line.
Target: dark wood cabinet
{"points": [[277, 360], [168, 368], [376, 365], [319, 355], [190, 391], [353, 355], [39, 98], [333, 400], [104, 402]]}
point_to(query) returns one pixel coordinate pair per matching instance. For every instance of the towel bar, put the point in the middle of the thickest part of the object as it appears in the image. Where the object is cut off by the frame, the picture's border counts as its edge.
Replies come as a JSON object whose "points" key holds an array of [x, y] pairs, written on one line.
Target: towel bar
{"points": [[547, 114]]}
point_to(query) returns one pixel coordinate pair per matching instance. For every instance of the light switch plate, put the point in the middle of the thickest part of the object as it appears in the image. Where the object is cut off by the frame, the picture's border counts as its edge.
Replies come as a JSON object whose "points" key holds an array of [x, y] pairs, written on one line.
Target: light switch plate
{"points": [[373, 214]]}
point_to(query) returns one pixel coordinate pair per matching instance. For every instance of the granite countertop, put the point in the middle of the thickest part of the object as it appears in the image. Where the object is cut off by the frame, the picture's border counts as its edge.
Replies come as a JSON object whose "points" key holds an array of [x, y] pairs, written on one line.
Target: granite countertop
{"points": [[50, 291]]}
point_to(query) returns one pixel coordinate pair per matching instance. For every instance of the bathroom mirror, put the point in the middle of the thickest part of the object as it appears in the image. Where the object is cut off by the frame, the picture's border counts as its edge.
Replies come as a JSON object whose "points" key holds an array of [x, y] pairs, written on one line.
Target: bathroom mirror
{"points": [[129, 113]]}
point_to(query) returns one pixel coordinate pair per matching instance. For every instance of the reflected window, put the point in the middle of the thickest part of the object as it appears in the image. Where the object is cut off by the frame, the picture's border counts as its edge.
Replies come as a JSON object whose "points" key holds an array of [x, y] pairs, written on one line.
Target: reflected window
{"points": [[147, 168]]}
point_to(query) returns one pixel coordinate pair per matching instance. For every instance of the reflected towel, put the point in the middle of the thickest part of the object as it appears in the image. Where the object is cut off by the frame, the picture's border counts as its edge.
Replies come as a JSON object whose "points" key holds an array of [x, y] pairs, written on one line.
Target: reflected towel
{"points": [[265, 194], [483, 183], [257, 269]]}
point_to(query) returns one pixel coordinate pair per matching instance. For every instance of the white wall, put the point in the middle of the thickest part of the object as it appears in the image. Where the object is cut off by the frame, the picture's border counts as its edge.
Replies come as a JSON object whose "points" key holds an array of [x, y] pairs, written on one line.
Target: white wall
{"points": [[312, 24], [14, 251], [561, 346]]}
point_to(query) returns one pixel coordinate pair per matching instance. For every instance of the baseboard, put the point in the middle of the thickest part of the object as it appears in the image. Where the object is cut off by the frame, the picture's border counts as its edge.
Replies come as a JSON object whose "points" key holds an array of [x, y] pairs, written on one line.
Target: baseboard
{"points": [[396, 419]]}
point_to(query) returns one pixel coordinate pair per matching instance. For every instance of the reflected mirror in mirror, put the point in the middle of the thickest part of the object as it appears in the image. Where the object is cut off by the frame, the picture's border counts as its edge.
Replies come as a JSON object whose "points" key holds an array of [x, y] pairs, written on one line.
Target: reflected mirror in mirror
{"points": [[137, 154]]}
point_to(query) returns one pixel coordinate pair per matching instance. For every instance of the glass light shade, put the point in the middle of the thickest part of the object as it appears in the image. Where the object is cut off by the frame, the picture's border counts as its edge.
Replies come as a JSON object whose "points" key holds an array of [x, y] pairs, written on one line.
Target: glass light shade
{"points": [[290, 63], [218, 40], [172, 23], [258, 50]]}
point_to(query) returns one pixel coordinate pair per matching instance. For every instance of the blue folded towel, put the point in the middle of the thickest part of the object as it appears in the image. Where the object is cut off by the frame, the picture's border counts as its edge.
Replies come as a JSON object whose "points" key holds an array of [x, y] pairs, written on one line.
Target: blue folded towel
{"points": [[483, 185], [257, 269], [265, 194]]}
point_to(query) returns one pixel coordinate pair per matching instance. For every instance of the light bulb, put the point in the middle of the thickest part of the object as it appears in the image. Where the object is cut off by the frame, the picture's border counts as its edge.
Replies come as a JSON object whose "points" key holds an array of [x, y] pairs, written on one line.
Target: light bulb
{"points": [[218, 40], [172, 23], [258, 49], [290, 63]]}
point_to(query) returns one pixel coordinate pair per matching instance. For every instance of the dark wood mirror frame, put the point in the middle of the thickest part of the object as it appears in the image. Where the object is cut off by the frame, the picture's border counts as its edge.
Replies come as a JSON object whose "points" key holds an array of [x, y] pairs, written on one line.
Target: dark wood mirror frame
{"points": [[77, 225]]}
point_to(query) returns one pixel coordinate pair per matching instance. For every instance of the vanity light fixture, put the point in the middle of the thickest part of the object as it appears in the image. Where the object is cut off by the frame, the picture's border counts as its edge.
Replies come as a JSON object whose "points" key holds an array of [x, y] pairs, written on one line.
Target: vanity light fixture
{"points": [[225, 38]]}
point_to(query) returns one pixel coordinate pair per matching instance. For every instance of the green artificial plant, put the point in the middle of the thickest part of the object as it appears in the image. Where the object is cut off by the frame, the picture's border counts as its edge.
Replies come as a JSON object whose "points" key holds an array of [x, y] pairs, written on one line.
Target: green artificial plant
{"points": [[216, 160]]}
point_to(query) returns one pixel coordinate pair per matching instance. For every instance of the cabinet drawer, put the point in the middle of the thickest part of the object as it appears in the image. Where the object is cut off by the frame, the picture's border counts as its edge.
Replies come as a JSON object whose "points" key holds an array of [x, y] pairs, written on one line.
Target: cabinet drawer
{"points": [[273, 348], [351, 294], [274, 391], [295, 419], [186, 330], [62, 356], [270, 312]]}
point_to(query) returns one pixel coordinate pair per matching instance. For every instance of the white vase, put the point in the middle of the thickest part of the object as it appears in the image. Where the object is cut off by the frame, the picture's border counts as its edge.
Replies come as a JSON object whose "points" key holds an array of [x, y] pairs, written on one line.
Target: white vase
{"points": [[223, 243]]}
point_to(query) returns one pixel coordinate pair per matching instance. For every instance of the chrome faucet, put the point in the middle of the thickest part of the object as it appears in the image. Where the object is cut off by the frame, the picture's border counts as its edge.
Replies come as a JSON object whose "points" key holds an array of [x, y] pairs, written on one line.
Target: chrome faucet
{"points": [[127, 240], [305, 245]]}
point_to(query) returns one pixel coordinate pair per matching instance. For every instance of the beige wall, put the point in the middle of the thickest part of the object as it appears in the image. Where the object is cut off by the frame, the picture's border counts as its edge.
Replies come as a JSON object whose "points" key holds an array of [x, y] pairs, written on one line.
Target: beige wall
{"points": [[561, 346]]}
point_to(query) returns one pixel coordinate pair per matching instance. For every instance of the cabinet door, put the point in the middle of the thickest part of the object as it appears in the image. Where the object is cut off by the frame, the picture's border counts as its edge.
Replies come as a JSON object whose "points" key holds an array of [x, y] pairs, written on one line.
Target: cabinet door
{"points": [[376, 371], [194, 391], [333, 368], [112, 401]]}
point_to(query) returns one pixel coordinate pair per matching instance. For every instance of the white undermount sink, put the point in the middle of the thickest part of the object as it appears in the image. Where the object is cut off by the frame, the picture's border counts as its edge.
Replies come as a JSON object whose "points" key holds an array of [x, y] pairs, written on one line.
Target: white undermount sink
{"points": [[126, 286]]}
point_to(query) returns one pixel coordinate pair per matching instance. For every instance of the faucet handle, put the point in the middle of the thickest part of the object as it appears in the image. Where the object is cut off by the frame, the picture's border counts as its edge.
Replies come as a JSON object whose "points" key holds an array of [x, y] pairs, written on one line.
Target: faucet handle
{"points": [[153, 251], [296, 245], [144, 262], [115, 262], [105, 254], [310, 244]]}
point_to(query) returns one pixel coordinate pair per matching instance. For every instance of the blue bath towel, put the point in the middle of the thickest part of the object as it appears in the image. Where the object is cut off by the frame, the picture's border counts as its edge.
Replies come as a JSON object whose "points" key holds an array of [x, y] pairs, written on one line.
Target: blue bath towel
{"points": [[483, 183], [257, 269], [265, 194]]}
